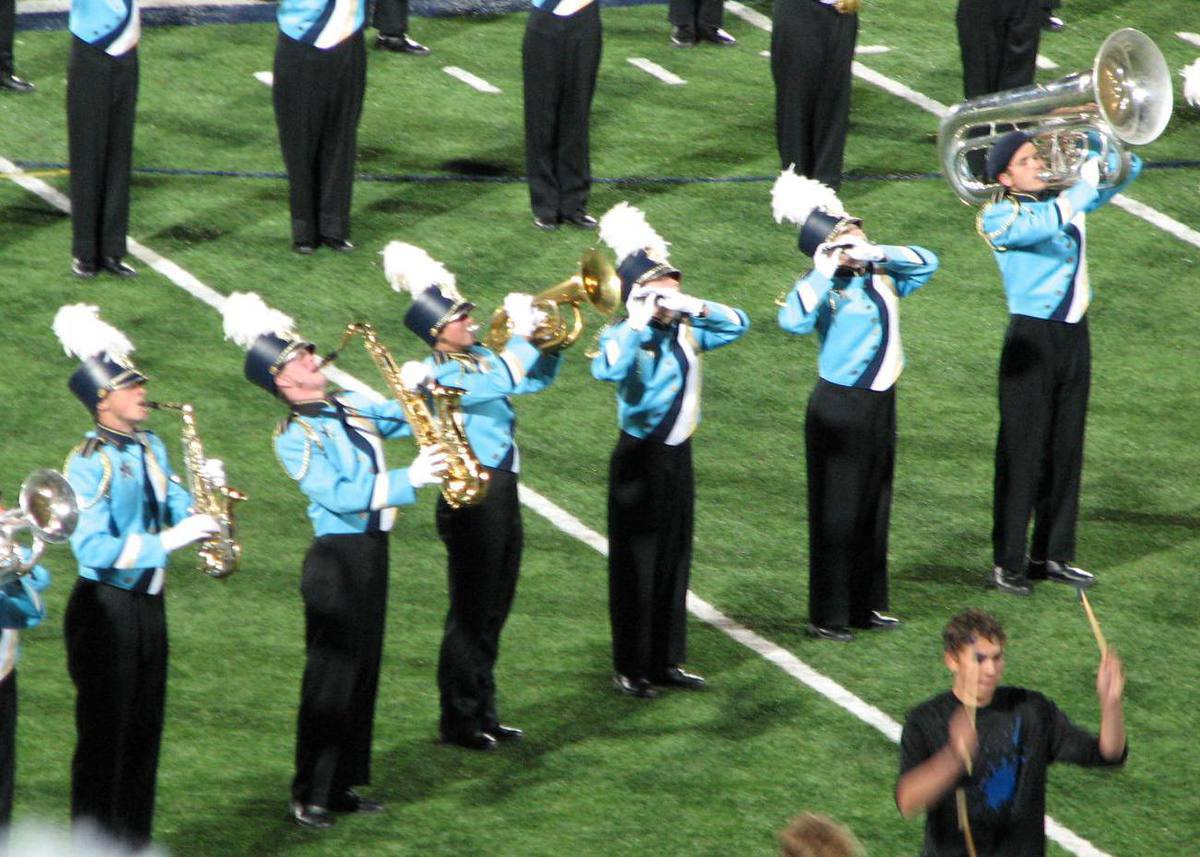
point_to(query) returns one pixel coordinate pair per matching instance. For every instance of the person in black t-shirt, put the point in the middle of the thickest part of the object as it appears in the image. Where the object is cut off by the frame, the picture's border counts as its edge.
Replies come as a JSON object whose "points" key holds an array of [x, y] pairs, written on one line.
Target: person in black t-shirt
{"points": [[1013, 735]]}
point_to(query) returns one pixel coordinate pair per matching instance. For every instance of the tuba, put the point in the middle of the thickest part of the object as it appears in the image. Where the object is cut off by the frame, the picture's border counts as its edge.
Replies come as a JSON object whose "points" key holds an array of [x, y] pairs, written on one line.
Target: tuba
{"points": [[1125, 100], [47, 508], [596, 283], [465, 482], [220, 554]]}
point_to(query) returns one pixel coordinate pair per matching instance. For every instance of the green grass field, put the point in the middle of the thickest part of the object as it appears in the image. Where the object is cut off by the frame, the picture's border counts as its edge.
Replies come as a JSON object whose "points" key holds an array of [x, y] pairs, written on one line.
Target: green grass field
{"points": [[716, 772]]}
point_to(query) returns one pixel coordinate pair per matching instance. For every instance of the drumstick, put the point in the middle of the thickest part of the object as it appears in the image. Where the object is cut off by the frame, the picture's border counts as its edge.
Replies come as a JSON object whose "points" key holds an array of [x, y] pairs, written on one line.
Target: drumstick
{"points": [[1100, 641]]}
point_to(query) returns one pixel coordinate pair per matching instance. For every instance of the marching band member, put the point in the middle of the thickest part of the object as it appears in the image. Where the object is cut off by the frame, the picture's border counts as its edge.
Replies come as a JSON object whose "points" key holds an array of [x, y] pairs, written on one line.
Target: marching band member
{"points": [[1037, 236], [483, 541], [20, 607], [851, 299], [654, 358], [132, 514], [331, 445]]}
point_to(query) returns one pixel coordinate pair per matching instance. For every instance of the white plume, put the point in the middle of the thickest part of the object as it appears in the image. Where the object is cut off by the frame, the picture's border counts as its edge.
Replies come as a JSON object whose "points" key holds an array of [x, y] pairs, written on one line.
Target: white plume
{"points": [[625, 230], [794, 197], [1191, 83], [247, 318], [410, 269], [84, 334]]}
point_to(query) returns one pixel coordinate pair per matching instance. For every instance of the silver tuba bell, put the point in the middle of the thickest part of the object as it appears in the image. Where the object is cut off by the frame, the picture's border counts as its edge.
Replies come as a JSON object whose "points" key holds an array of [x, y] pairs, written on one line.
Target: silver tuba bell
{"points": [[1126, 99], [47, 508]]}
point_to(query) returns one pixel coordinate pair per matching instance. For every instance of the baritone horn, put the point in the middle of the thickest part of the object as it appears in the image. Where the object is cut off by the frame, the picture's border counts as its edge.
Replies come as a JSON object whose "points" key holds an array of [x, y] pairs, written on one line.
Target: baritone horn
{"points": [[596, 283], [1124, 100], [46, 508]]}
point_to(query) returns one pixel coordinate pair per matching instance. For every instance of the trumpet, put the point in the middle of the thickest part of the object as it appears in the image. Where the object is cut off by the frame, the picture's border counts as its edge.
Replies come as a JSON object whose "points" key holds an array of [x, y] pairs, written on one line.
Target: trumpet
{"points": [[596, 283], [221, 553], [47, 508]]}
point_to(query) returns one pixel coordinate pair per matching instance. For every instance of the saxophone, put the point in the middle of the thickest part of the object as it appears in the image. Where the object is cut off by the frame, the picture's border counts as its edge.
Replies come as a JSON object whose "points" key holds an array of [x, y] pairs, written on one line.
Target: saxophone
{"points": [[466, 481], [219, 554]]}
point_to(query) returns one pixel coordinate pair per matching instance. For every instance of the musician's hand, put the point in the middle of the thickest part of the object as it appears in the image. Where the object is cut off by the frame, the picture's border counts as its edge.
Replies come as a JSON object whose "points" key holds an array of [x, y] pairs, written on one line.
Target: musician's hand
{"points": [[679, 302], [860, 250], [641, 307], [826, 260], [1090, 171], [1110, 679], [413, 374], [963, 741], [193, 528], [428, 467], [214, 471], [521, 313]]}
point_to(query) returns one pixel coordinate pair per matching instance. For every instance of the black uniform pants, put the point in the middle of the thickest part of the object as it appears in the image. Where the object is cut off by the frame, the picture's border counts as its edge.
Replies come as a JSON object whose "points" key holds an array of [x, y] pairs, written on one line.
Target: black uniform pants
{"points": [[700, 16], [812, 49], [117, 657], [999, 43], [8, 749], [850, 446], [1045, 377], [559, 57], [318, 102], [344, 585], [101, 107], [651, 500], [483, 553], [8, 28], [390, 17]]}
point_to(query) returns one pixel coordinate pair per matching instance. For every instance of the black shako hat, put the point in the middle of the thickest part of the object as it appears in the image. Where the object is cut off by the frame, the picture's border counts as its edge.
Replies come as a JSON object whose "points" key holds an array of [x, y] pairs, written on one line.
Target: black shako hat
{"points": [[269, 337], [812, 206], [431, 311], [267, 355], [639, 268], [1001, 153], [820, 227], [435, 299], [103, 352], [97, 376]]}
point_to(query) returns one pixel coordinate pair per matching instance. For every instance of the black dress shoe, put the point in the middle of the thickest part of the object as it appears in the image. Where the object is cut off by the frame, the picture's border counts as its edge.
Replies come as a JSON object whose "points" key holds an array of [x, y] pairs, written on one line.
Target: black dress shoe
{"points": [[545, 224], [352, 801], [880, 622], [338, 245], [834, 634], [1060, 572], [505, 733], [13, 83], [114, 265], [472, 741], [676, 676], [82, 269], [311, 815], [581, 219], [1009, 582], [400, 44], [639, 687], [719, 37], [683, 37], [304, 248]]}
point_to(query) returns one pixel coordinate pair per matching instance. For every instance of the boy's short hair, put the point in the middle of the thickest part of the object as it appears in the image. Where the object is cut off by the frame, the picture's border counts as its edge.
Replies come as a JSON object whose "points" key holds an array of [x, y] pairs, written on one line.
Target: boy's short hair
{"points": [[970, 625]]}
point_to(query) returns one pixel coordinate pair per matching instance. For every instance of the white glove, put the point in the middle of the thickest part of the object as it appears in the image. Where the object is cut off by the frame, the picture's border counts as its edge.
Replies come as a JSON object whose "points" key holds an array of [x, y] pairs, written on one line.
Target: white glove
{"points": [[825, 260], [641, 306], [413, 374], [861, 250], [679, 302], [521, 314], [213, 471], [193, 528], [1090, 171], [428, 467]]}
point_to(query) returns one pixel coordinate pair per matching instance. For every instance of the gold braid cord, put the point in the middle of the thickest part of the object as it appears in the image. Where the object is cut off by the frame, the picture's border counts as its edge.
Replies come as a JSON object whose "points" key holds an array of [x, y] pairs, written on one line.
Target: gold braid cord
{"points": [[990, 237], [84, 450], [848, 7], [310, 437]]}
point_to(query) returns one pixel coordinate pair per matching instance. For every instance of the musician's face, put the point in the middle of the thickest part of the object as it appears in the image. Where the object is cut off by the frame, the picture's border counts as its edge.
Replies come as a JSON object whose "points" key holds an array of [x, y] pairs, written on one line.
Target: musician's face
{"points": [[457, 335], [301, 378], [1023, 173], [123, 409], [977, 669]]}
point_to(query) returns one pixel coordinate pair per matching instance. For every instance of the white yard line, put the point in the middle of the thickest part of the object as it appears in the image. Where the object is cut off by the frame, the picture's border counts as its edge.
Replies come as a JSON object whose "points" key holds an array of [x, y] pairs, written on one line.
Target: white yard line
{"points": [[1045, 63], [1190, 38], [866, 50], [471, 80], [656, 70], [266, 78]]}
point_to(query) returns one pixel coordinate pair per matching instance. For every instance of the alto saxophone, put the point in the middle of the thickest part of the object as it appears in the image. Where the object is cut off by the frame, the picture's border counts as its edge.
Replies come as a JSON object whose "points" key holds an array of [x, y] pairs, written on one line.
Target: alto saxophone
{"points": [[465, 482], [220, 554]]}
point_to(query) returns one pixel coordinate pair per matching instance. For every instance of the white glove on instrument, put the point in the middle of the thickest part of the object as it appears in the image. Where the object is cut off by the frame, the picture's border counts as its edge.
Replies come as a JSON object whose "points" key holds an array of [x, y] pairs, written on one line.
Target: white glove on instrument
{"points": [[193, 528], [214, 471], [641, 306], [826, 260], [414, 374], [861, 250], [679, 302], [428, 467], [521, 313], [1090, 171]]}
